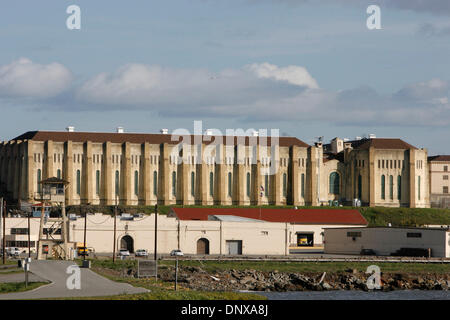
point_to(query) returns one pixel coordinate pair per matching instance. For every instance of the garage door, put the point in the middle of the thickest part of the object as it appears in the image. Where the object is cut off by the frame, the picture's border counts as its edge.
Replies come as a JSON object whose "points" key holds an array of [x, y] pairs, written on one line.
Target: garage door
{"points": [[234, 247]]}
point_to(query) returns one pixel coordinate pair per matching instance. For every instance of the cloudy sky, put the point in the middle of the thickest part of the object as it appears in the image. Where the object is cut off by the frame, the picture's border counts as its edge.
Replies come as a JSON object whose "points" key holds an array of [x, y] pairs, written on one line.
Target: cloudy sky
{"points": [[308, 68]]}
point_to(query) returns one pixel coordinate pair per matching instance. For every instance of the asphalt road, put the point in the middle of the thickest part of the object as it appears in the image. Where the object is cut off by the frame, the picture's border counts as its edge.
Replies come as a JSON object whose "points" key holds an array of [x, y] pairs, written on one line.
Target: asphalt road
{"points": [[91, 284]]}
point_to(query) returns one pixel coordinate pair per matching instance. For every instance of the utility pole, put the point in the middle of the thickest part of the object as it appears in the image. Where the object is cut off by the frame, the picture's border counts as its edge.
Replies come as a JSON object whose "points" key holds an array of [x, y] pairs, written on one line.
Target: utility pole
{"points": [[29, 231], [3, 232], [156, 232], [85, 223], [114, 240]]}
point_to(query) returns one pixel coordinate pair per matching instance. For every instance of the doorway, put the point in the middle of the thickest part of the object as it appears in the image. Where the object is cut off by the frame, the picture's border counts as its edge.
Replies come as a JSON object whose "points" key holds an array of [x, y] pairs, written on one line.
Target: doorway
{"points": [[203, 246], [127, 243]]}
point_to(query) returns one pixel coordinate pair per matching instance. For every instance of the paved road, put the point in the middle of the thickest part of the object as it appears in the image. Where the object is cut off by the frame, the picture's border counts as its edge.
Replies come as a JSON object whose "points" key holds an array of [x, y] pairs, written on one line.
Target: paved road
{"points": [[92, 284]]}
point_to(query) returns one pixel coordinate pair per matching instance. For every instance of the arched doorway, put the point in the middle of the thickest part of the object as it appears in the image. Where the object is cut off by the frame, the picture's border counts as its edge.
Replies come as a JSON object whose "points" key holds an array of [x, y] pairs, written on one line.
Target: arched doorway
{"points": [[203, 246], [127, 243]]}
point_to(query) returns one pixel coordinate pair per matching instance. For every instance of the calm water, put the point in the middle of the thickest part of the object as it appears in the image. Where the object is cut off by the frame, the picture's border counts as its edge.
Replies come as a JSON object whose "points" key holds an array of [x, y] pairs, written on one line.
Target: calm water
{"points": [[359, 295]]}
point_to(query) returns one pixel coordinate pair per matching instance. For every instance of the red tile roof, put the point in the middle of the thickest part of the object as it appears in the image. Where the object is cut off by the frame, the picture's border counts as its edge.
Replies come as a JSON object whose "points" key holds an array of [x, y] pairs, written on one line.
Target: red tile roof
{"points": [[442, 158], [100, 137], [381, 143], [299, 216]]}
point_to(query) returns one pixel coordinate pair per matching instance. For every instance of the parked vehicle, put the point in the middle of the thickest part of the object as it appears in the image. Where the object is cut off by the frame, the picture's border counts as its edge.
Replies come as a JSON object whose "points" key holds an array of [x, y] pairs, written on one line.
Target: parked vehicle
{"points": [[176, 253], [13, 251], [367, 252], [141, 253], [123, 253], [83, 251]]}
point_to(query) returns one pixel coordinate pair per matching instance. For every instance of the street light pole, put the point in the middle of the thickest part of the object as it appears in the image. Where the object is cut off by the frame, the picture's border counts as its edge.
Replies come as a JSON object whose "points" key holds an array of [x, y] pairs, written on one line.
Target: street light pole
{"points": [[156, 232], [3, 231], [29, 231], [114, 240], [176, 273]]}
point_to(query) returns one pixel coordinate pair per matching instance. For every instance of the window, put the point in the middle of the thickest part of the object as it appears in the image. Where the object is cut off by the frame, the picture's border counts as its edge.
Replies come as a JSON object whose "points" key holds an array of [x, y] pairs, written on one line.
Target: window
{"points": [[155, 183], [266, 185], [353, 234], [359, 187], [418, 187], [445, 168], [303, 185], [19, 230], [39, 177], [78, 182], [399, 187], [445, 189], [383, 187], [117, 183], [334, 183], [445, 177], [391, 187], [97, 182], [248, 184], [193, 184], [230, 184], [211, 184], [414, 235], [174, 183], [58, 173], [284, 184], [136, 183]]}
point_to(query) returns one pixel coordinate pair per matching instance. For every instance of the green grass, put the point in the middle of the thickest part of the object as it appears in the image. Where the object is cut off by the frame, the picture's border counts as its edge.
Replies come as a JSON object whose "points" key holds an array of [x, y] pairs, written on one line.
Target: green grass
{"points": [[310, 267], [19, 286]]}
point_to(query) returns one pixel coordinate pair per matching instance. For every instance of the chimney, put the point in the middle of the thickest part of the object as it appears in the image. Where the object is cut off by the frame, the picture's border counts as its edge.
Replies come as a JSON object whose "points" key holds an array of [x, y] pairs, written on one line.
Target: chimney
{"points": [[120, 130], [164, 131], [70, 129]]}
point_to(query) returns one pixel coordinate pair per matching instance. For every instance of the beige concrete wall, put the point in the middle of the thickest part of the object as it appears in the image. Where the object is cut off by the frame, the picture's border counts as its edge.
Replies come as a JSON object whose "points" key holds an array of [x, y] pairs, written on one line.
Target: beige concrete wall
{"points": [[439, 178], [385, 241]]}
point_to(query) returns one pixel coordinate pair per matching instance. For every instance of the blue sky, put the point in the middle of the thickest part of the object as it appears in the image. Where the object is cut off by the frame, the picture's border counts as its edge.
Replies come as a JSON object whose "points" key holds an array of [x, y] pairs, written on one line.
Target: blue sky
{"points": [[305, 68]]}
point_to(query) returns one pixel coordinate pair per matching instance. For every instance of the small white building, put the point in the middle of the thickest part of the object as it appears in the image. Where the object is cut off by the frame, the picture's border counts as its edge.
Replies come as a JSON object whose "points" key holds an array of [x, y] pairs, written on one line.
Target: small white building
{"points": [[387, 241]]}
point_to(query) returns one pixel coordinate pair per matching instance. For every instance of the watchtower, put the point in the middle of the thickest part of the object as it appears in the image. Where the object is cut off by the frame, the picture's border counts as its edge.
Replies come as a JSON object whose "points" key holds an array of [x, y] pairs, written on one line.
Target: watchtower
{"points": [[53, 229]]}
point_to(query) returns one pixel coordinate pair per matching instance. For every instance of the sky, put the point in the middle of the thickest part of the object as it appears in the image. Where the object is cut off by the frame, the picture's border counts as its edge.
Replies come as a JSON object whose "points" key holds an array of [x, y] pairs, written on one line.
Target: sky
{"points": [[307, 68]]}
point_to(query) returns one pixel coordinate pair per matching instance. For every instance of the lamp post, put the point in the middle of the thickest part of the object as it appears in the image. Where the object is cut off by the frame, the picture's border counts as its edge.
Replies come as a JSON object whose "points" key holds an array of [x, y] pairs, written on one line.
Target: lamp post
{"points": [[177, 253]]}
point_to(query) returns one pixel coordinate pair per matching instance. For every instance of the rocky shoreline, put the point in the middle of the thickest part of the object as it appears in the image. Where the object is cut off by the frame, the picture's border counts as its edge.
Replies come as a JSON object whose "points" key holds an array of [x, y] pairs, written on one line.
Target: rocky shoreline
{"points": [[252, 280]]}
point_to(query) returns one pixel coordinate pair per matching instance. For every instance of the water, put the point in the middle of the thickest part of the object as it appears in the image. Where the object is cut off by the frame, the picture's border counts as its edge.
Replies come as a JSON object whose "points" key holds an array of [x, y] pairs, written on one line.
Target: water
{"points": [[358, 295]]}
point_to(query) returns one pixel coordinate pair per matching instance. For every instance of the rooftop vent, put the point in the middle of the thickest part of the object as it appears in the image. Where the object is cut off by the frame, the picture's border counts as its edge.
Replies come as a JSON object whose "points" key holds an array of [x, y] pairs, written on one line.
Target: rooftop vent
{"points": [[120, 130], [372, 136], [208, 132], [164, 131], [70, 129]]}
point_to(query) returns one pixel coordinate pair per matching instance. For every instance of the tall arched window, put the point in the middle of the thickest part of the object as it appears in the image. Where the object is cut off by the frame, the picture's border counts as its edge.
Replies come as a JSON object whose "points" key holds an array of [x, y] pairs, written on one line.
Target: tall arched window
{"points": [[39, 177], [391, 187], [303, 185], [359, 187], [117, 182], [418, 188], [97, 182], [334, 183], [58, 173], [155, 183], [383, 187], [136, 183], [193, 184], [230, 184], [211, 184], [399, 187], [78, 182], [174, 183], [248, 184], [284, 184], [266, 185]]}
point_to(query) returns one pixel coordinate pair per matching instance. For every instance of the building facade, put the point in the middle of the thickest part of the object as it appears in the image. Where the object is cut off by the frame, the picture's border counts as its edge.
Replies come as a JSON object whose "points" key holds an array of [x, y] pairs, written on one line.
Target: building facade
{"points": [[439, 181], [145, 169]]}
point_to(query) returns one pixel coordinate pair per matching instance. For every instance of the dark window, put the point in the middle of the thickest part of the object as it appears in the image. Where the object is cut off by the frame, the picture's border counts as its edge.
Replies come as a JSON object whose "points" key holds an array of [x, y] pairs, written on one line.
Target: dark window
{"points": [[248, 184], [211, 184], [353, 234], [414, 235], [193, 184], [334, 183], [19, 230], [78, 182], [383, 187], [155, 183]]}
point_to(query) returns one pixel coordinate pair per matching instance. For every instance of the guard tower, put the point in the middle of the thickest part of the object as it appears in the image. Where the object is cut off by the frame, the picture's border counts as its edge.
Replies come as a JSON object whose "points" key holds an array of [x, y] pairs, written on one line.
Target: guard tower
{"points": [[53, 230]]}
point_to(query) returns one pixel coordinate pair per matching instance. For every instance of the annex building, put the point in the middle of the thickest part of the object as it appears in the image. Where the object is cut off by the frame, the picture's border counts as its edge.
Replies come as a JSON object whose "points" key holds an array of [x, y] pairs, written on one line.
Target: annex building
{"points": [[145, 169]]}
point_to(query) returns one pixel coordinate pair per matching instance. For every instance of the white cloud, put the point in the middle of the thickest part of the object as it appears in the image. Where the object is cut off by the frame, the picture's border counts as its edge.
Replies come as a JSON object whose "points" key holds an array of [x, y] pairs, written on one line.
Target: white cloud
{"points": [[24, 79]]}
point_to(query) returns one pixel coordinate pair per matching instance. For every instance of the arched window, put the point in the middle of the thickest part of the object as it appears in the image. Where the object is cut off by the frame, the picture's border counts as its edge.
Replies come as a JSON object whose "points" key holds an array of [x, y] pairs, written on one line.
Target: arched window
{"points": [[211, 184], [39, 177], [58, 173], [383, 187], [78, 182], [266, 185], [136, 183], [359, 187], [399, 187], [334, 183], [97, 182], [155, 183], [418, 188], [117, 183], [193, 184], [303, 185], [284, 184], [391, 187], [230, 184], [174, 183], [248, 184]]}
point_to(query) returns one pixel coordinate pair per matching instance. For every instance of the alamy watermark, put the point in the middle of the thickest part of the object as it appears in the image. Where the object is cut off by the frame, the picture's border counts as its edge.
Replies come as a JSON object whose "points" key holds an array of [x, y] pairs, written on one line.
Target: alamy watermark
{"points": [[374, 280], [73, 282]]}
